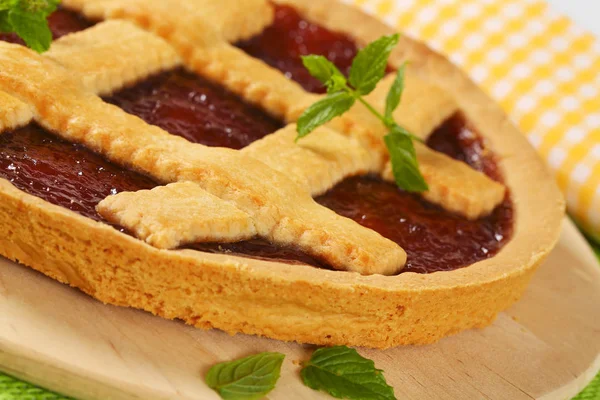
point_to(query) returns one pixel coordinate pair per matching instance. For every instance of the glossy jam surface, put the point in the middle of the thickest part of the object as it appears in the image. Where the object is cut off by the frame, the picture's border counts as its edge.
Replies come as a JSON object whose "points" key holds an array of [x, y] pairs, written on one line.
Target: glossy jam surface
{"points": [[459, 140], [61, 22], [433, 239], [63, 173], [289, 37], [186, 105]]}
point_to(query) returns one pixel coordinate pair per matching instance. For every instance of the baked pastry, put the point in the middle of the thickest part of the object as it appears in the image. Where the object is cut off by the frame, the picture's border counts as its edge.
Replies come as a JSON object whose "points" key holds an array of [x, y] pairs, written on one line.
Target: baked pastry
{"points": [[181, 190]]}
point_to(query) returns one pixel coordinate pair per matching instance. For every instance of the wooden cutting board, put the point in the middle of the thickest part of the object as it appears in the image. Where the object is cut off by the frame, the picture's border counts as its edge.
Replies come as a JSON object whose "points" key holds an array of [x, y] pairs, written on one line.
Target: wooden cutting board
{"points": [[545, 347]]}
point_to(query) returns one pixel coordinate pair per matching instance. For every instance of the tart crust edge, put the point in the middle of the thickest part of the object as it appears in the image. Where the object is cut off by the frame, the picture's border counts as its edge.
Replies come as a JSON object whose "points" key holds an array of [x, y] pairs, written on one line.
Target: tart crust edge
{"points": [[296, 302]]}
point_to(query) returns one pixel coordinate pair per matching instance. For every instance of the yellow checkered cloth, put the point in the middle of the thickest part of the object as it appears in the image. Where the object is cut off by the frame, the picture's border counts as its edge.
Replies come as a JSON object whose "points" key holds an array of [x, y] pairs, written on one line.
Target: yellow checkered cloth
{"points": [[542, 68]]}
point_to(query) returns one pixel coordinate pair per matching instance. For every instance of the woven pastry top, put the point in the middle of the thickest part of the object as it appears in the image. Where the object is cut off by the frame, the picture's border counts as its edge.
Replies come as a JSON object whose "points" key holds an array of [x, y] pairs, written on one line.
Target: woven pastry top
{"points": [[265, 189]]}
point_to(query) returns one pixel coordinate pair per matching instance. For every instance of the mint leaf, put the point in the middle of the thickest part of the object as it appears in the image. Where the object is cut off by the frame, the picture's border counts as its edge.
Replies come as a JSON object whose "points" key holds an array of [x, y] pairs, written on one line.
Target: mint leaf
{"points": [[345, 374], [324, 111], [32, 28], [249, 378], [368, 67], [28, 19], [404, 160], [395, 94], [321, 68]]}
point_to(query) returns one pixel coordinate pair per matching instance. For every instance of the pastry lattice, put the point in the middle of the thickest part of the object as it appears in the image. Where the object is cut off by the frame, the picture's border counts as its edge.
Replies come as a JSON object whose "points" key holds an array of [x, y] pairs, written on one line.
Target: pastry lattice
{"points": [[260, 190]]}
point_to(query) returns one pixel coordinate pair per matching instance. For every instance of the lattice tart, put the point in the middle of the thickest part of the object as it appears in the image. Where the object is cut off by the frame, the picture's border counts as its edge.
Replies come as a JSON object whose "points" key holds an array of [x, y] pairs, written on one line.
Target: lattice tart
{"points": [[149, 159]]}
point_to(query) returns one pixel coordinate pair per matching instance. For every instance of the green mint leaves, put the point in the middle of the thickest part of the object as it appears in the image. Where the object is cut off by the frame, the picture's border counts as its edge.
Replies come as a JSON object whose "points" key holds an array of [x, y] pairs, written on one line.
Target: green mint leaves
{"points": [[339, 371], [369, 65], [404, 160], [28, 19], [345, 374], [395, 94], [324, 111], [368, 68], [249, 378]]}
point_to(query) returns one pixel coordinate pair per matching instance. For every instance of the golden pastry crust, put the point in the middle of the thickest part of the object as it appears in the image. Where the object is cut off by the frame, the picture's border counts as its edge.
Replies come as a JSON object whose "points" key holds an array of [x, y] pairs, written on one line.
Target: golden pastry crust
{"points": [[289, 302], [181, 213], [424, 107], [13, 113], [102, 55], [184, 20], [318, 161]]}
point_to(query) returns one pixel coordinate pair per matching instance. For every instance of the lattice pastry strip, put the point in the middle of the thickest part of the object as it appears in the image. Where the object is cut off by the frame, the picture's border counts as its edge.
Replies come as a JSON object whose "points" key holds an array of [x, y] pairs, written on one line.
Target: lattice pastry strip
{"points": [[181, 213], [424, 106], [454, 185], [104, 67], [63, 106], [13, 113], [316, 162], [195, 21]]}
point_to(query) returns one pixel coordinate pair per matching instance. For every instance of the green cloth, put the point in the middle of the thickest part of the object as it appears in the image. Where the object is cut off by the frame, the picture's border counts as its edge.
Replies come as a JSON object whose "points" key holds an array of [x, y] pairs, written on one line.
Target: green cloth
{"points": [[13, 389]]}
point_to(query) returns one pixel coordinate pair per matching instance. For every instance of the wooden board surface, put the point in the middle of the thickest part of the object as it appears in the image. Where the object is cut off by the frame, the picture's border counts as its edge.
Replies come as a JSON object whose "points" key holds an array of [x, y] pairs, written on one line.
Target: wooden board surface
{"points": [[546, 347]]}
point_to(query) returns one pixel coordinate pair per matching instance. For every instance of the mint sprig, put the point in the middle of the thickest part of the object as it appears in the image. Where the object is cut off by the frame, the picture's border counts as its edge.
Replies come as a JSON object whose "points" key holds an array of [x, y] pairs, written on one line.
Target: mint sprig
{"points": [[249, 378], [343, 373], [368, 68], [29, 20]]}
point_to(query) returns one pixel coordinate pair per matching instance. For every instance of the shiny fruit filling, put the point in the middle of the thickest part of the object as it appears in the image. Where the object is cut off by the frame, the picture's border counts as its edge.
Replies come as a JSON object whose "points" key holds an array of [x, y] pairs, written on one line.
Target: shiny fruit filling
{"points": [[63, 173], [289, 37], [186, 105]]}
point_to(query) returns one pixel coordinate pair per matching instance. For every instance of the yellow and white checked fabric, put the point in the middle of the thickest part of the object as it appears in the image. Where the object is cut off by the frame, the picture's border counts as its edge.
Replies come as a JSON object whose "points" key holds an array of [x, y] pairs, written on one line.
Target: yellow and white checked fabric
{"points": [[542, 68]]}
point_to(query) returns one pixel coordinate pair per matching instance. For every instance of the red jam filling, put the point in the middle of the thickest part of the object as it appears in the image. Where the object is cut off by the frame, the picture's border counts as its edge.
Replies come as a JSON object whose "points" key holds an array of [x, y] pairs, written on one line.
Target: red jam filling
{"points": [[61, 22], [63, 173], [291, 36], [433, 239], [186, 105]]}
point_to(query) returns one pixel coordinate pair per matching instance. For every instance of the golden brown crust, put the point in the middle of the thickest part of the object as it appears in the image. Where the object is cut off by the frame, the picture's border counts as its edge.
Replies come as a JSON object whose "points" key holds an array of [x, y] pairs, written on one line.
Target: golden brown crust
{"points": [[174, 215], [189, 20], [289, 302], [424, 106], [318, 161], [13, 113], [102, 55]]}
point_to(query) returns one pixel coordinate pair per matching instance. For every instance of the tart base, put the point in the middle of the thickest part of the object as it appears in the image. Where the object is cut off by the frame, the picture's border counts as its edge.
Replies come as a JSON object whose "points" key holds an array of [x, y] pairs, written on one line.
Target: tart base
{"points": [[298, 302], [242, 296], [66, 341]]}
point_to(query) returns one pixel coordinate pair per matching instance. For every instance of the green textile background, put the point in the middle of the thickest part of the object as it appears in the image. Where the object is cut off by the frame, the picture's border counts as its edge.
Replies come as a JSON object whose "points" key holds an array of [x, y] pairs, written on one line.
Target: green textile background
{"points": [[13, 389]]}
